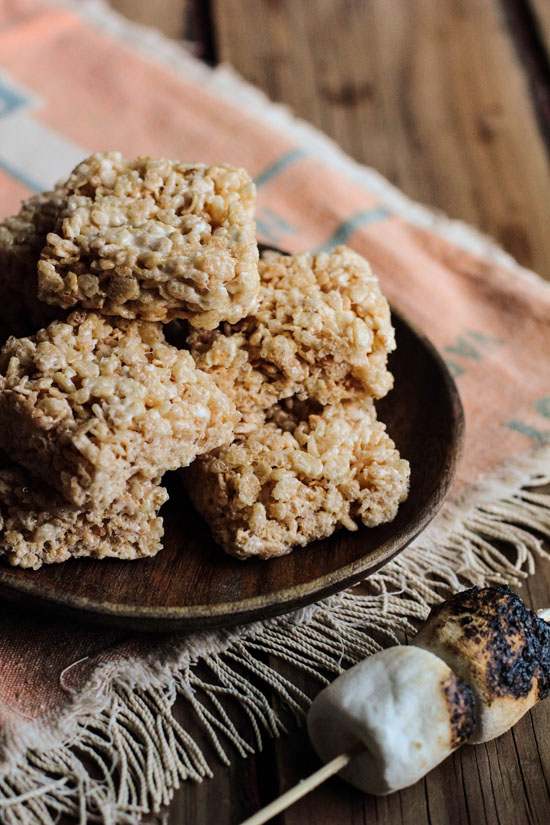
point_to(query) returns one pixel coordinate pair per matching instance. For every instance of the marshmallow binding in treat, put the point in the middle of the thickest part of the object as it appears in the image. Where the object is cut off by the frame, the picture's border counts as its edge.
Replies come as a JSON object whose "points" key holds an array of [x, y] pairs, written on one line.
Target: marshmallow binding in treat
{"points": [[491, 639], [408, 709]]}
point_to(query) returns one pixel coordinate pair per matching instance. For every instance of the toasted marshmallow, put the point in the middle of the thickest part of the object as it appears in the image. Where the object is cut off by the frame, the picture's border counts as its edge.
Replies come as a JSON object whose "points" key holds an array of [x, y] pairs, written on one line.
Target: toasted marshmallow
{"points": [[499, 647]]}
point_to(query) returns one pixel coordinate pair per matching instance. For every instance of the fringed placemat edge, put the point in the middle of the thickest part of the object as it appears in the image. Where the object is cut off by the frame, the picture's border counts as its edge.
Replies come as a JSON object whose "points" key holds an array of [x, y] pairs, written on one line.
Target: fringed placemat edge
{"points": [[122, 721]]}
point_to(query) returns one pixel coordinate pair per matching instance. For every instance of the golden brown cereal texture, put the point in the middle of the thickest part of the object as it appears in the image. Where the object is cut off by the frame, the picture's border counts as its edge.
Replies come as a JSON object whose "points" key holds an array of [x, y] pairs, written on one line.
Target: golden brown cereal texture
{"points": [[154, 239], [298, 478], [87, 405], [22, 238], [38, 527], [321, 330]]}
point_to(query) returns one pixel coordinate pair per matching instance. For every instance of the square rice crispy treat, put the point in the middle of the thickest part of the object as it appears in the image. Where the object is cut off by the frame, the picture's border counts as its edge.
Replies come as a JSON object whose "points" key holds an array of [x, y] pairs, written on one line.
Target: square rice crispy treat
{"points": [[321, 330], [87, 405], [37, 526], [22, 238], [154, 239], [298, 478]]}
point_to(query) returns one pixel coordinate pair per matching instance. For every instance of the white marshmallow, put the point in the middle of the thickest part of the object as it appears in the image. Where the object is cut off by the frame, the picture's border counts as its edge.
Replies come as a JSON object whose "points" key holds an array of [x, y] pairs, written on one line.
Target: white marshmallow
{"points": [[405, 705]]}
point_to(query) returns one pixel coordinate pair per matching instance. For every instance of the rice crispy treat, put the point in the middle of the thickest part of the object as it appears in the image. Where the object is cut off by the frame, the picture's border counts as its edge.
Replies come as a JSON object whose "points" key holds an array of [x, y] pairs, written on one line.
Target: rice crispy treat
{"points": [[22, 238], [321, 330], [298, 478], [154, 239], [87, 405], [38, 527]]}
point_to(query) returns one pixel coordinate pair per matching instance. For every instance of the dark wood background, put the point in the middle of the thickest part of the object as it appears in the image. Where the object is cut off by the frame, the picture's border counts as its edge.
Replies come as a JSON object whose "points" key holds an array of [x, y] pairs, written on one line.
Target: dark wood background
{"points": [[450, 100]]}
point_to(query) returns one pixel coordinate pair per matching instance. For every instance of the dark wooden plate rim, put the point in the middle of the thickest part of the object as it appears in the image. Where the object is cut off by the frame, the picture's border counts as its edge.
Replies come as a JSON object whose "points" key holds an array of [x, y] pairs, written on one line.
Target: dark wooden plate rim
{"points": [[279, 601]]}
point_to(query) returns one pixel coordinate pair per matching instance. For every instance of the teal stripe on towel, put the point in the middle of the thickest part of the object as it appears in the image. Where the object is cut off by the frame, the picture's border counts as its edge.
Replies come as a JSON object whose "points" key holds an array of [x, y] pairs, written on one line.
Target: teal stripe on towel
{"points": [[348, 227], [284, 161]]}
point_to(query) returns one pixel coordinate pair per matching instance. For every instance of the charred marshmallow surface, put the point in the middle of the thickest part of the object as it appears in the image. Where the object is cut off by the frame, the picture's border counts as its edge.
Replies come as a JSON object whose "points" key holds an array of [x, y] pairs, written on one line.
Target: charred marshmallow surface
{"points": [[491, 639], [461, 707]]}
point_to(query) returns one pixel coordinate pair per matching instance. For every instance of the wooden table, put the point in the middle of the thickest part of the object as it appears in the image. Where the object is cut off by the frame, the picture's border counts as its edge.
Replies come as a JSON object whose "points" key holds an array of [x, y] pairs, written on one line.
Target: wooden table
{"points": [[450, 100]]}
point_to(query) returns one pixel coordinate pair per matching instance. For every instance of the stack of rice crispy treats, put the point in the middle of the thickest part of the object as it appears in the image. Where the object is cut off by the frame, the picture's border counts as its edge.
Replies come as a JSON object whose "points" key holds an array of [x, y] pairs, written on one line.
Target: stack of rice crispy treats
{"points": [[263, 387]]}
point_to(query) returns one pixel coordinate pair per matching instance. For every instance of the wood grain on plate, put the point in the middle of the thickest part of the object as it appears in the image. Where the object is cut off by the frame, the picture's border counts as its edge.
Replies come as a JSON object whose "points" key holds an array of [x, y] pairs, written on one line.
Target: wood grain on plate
{"points": [[192, 584]]}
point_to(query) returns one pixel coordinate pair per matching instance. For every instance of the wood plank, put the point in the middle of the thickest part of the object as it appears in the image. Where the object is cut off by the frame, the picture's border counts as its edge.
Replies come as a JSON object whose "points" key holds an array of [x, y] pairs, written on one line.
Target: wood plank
{"points": [[432, 94], [233, 794], [229, 798], [169, 16], [526, 26], [541, 14]]}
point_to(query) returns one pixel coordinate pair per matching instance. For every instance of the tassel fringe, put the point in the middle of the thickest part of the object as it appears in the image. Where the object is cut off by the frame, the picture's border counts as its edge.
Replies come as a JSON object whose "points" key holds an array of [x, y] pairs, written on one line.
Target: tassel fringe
{"points": [[119, 751]]}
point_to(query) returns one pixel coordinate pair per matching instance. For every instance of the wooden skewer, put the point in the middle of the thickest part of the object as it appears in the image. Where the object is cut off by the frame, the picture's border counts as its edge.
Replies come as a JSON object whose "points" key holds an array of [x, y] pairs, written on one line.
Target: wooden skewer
{"points": [[304, 786]]}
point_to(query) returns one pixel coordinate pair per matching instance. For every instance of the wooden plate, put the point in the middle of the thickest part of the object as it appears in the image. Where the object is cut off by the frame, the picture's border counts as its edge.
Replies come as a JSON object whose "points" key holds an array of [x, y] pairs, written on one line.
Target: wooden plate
{"points": [[192, 584]]}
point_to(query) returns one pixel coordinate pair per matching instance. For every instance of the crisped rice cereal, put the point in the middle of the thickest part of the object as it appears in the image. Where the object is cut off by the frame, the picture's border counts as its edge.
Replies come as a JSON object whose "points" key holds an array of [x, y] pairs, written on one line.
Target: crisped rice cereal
{"points": [[321, 330], [154, 239], [38, 527], [22, 238], [298, 478], [87, 405]]}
